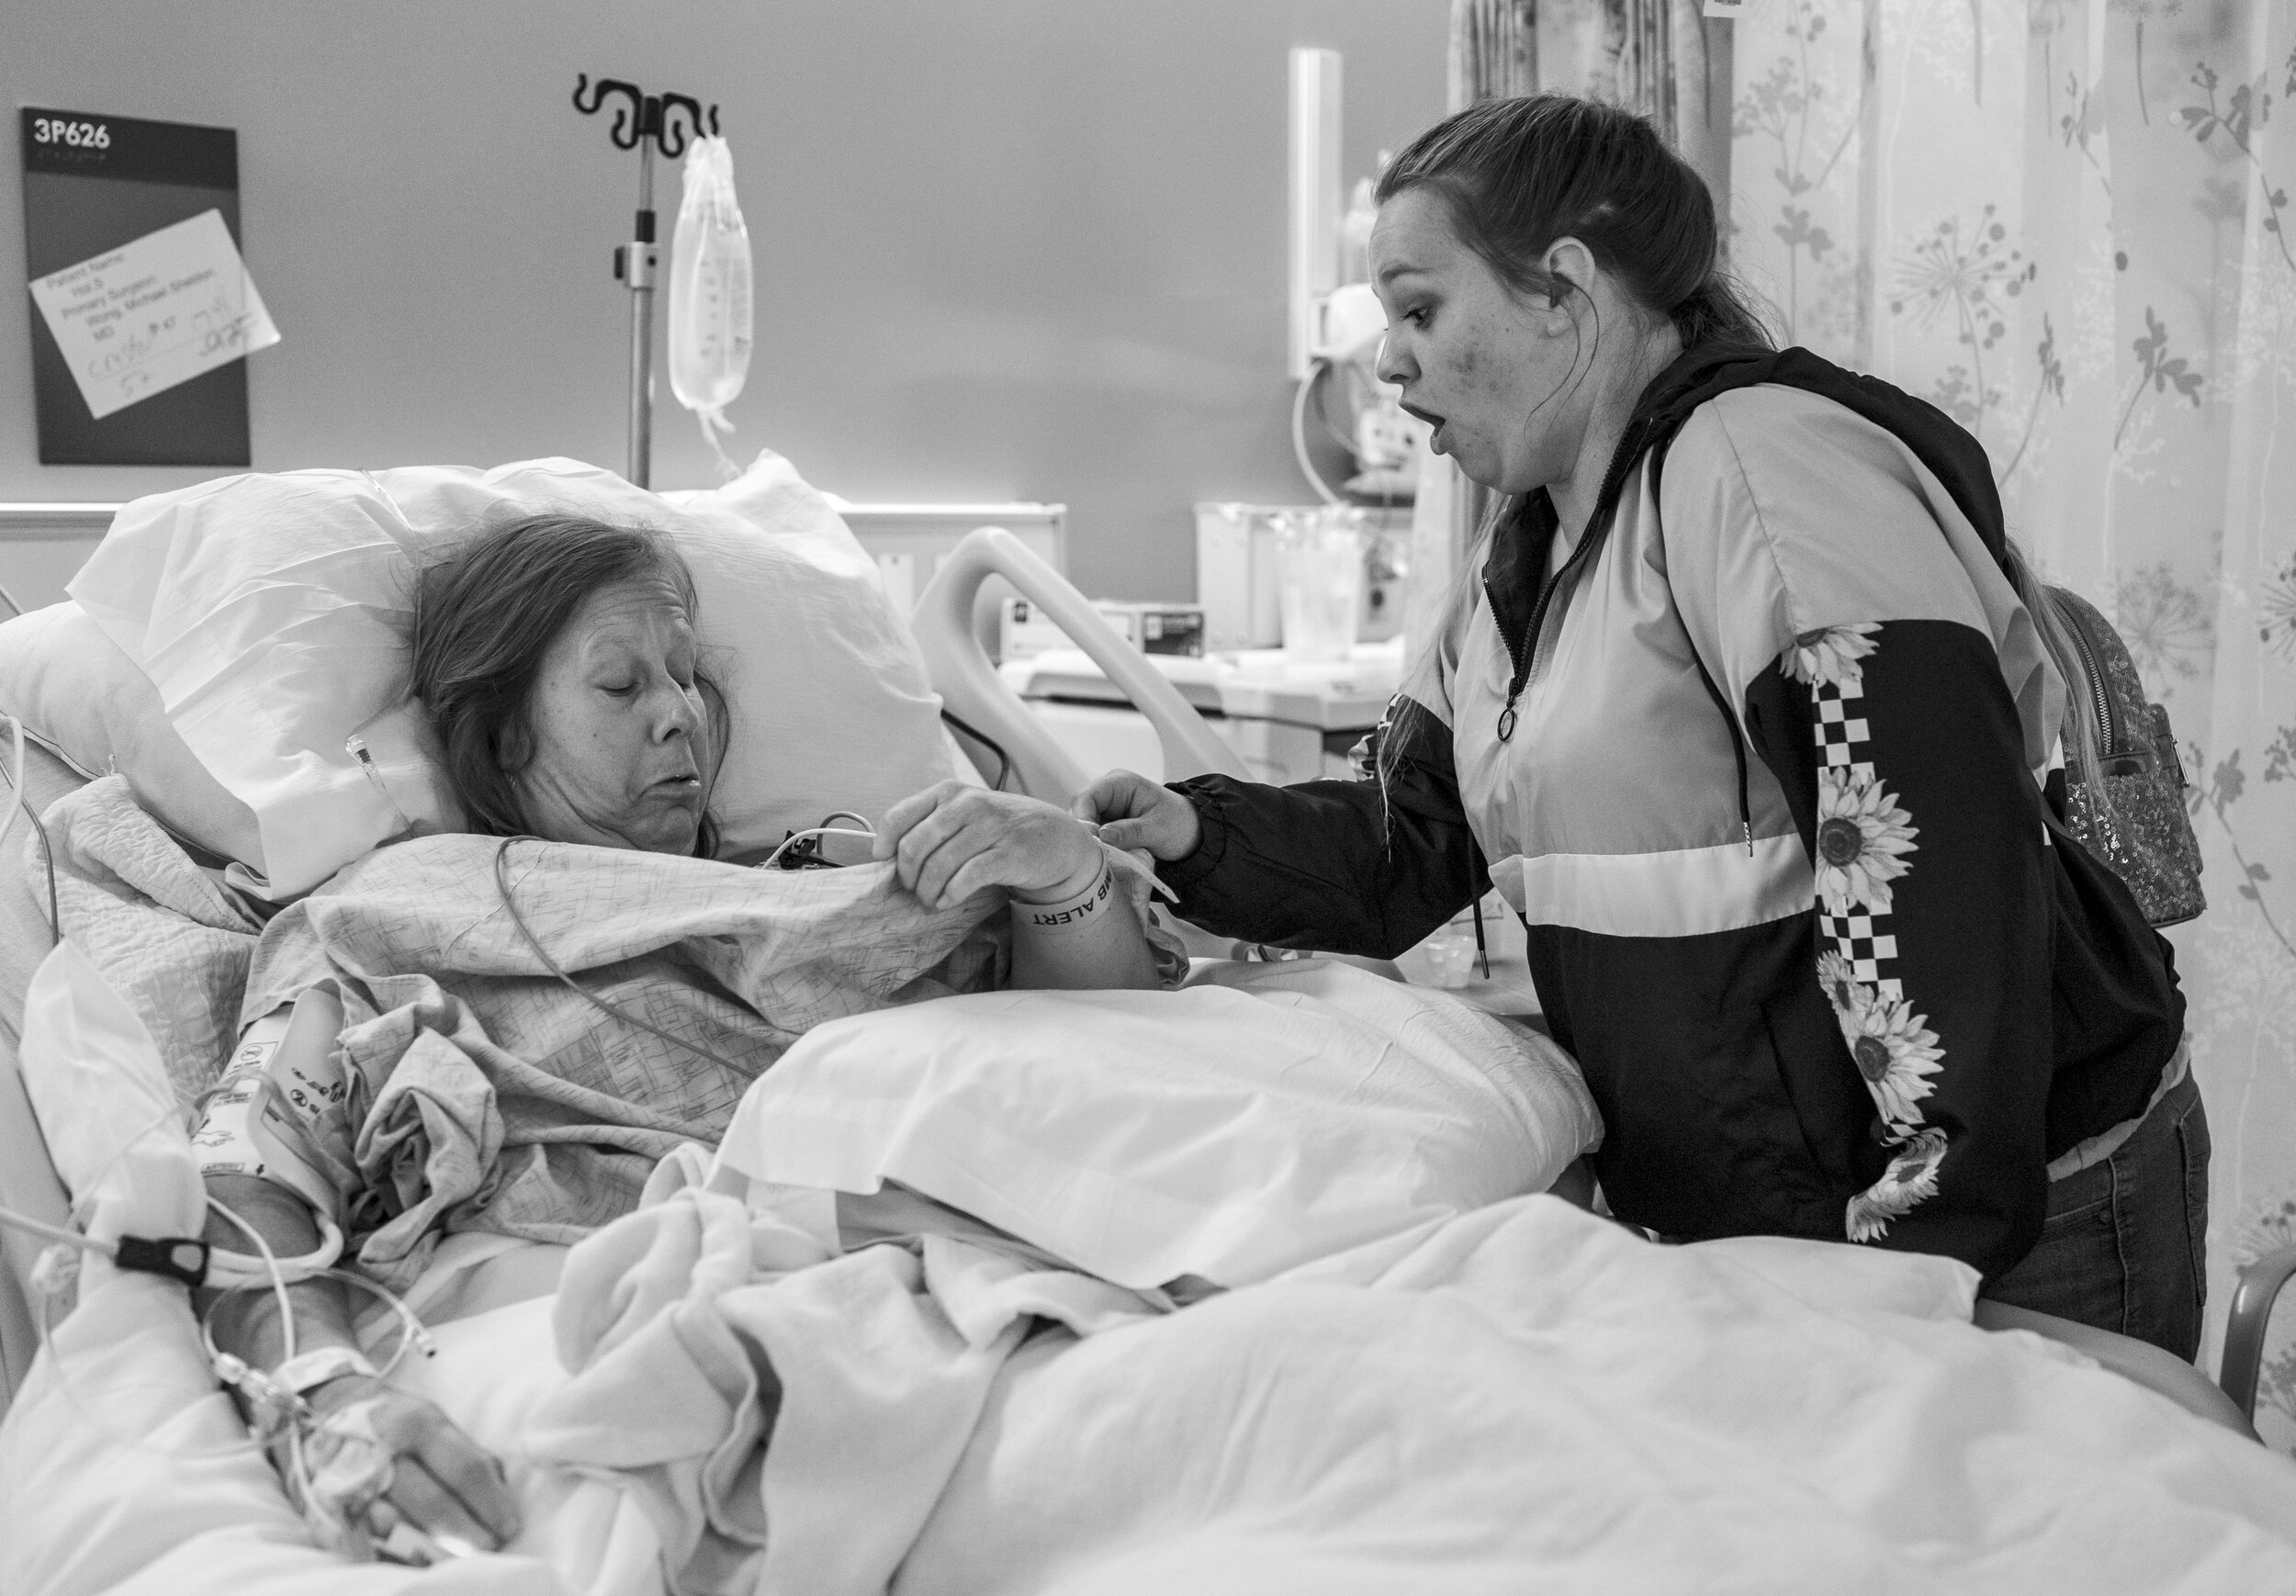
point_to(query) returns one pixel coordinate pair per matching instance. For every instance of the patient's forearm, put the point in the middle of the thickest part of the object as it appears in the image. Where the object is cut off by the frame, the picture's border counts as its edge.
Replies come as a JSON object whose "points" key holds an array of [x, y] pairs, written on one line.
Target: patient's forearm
{"points": [[247, 1322]]}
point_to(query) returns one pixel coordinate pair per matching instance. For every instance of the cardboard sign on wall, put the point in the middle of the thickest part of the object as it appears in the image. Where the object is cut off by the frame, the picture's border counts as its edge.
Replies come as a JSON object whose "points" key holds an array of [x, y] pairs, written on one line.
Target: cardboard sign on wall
{"points": [[141, 310]]}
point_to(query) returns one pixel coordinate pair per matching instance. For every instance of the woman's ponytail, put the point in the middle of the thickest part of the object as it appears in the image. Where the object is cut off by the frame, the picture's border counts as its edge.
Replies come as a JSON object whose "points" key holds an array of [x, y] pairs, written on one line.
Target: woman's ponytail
{"points": [[1718, 312]]}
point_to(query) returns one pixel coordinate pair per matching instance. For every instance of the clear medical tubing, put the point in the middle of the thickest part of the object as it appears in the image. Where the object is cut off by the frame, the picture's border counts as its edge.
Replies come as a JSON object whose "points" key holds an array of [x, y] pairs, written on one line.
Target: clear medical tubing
{"points": [[709, 294]]}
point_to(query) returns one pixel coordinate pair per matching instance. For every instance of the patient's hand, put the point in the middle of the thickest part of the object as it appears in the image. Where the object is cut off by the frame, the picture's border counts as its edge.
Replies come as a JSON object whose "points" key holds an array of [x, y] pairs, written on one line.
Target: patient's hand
{"points": [[1133, 812], [440, 1480], [953, 840]]}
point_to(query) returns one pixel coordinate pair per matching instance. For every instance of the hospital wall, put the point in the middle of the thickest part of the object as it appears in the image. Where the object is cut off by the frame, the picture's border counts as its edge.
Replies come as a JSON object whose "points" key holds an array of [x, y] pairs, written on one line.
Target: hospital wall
{"points": [[1027, 249]]}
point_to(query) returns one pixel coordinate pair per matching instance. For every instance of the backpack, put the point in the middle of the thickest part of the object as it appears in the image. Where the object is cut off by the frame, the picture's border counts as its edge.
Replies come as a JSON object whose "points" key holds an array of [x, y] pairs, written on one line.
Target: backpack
{"points": [[2130, 811]]}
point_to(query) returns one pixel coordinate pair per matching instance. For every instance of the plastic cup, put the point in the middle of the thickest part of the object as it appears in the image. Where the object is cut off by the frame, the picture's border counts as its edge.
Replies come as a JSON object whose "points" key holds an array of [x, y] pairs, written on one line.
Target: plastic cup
{"points": [[1321, 555]]}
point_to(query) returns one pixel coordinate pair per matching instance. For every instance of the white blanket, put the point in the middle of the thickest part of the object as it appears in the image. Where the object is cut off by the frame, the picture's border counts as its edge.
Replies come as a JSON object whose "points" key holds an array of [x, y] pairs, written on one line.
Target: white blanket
{"points": [[1533, 1400], [1527, 1398]]}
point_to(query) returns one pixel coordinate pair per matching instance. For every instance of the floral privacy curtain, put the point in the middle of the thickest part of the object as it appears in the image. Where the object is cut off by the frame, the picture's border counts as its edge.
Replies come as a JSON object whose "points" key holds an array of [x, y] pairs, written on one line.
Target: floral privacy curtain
{"points": [[2066, 222]]}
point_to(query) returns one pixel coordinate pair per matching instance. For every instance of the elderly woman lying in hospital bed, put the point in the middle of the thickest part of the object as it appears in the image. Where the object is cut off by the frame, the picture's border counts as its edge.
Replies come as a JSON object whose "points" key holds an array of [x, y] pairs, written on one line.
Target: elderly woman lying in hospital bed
{"points": [[558, 659]]}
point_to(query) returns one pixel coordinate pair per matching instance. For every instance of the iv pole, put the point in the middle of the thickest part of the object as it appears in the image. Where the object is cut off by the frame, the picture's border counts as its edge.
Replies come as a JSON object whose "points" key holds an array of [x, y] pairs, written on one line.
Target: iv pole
{"points": [[645, 123]]}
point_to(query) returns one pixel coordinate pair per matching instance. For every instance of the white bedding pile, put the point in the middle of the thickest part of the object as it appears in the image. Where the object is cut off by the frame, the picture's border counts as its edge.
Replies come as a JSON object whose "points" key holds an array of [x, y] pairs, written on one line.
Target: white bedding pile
{"points": [[1526, 1399]]}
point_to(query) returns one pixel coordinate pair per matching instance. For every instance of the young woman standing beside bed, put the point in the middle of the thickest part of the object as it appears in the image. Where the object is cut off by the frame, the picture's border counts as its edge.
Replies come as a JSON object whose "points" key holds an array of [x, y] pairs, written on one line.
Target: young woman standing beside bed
{"points": [[1747, 716]]}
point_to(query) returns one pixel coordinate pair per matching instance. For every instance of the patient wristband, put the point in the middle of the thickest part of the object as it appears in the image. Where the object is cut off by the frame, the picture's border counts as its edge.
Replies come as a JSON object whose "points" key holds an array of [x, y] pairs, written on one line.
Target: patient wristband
{"points": [[301, 1373], [1080, 910]]}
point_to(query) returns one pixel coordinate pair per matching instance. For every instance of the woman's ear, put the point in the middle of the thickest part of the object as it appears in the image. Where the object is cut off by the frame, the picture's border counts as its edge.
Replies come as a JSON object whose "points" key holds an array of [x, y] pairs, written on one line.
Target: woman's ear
{"points": [[513, 747], [1569, 266]]}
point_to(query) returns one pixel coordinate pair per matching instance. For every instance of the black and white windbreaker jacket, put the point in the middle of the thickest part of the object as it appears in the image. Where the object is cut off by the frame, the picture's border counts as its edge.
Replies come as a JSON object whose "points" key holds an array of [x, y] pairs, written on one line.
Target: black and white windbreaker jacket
{"points": [[1760, 767]]}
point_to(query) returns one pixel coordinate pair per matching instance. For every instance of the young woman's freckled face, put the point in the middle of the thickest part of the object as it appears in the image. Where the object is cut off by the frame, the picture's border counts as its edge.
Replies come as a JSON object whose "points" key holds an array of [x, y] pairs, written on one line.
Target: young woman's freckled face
{"points": [[617, 724], [1482, 364]]}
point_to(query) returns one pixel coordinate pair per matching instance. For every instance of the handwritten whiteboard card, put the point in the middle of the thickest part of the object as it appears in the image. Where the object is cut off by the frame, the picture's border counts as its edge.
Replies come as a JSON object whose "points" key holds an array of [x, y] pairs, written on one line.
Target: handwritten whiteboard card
{"points": [[95, 183], [139, 319]]}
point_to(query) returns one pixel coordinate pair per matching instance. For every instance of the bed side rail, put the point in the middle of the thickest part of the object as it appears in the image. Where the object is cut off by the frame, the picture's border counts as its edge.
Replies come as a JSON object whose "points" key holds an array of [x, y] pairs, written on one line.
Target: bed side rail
{"points": [[973, 693], [2258, 1289]]}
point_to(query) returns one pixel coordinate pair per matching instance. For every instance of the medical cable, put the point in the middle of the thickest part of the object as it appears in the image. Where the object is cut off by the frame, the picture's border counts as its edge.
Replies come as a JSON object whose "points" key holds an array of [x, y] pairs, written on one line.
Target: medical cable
{"points": [[180, 1258], [51, 1284], [177, 1258], [48, 853], [47, 857], [503, 886], [58, 1269], [277, 1281], [1004, 760], [795, 838], [1300, 435], [412, 1332], [15, 782]]}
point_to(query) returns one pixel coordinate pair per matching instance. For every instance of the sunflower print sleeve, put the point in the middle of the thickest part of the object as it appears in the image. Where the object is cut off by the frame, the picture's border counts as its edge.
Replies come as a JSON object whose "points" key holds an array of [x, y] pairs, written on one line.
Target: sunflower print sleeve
{"points": [[1866, 840], [1930, 921]]}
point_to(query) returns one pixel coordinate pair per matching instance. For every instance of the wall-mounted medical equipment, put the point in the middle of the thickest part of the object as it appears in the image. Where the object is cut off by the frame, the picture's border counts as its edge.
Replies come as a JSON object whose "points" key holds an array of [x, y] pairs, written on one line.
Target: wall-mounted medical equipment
{"points": [[1025, 630], [1342, 411], [1315, 198], [645, 123]]}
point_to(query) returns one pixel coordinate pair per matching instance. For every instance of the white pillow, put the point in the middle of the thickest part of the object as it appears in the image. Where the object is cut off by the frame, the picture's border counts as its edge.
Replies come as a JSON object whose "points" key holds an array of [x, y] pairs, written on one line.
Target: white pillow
{"points": [[86, 702], [271, 615], [1261, 1117]]}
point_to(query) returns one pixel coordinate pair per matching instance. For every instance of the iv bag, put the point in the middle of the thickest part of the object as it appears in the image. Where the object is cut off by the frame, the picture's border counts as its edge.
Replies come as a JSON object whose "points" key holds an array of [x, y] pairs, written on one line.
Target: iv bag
{"points": [[709, 294]]}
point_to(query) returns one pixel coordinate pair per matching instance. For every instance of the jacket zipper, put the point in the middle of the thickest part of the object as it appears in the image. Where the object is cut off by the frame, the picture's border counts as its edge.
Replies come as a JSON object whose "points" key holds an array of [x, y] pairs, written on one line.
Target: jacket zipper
{"points": [[1621, 461], [1518, 662]]}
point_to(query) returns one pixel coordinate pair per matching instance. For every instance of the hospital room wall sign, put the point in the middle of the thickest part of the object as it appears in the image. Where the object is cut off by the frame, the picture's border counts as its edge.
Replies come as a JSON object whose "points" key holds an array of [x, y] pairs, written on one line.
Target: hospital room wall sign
{"points": [[141, 309]]}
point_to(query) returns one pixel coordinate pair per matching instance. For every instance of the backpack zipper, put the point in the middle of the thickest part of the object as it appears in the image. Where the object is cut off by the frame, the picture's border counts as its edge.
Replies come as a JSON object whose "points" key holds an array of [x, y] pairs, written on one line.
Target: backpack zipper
{"points": [[2096, 683]]}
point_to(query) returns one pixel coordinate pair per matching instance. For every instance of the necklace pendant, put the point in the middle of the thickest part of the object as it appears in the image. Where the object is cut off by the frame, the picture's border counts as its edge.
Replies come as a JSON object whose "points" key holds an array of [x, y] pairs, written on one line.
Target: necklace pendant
{"points": [[1506, 723]]}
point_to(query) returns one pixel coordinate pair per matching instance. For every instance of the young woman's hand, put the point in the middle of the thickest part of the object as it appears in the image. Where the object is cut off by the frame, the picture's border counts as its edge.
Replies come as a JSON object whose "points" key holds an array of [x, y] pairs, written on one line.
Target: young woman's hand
{"points": [[953, 840], [1133, 812], [442, 1481]]}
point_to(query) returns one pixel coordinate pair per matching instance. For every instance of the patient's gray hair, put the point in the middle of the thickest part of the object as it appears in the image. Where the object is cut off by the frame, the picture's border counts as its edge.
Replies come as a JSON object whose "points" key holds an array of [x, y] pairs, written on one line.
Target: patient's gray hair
{"points": [[484, 617]]}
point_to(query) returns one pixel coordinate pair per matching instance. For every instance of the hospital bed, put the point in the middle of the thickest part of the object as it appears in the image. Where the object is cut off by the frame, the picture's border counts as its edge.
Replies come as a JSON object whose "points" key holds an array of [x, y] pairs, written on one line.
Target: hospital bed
{"points": [[1031, 761], [944, 624]]}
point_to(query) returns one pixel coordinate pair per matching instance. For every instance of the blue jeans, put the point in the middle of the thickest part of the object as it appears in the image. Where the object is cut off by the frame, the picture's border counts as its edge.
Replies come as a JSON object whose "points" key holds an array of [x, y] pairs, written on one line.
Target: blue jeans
{"points": [[2124, 1246]]}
